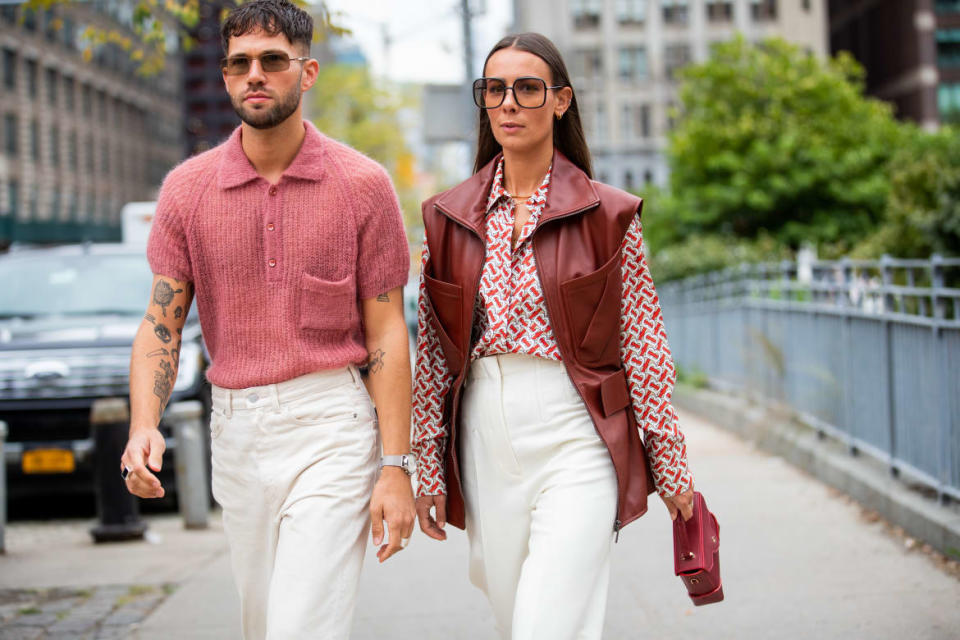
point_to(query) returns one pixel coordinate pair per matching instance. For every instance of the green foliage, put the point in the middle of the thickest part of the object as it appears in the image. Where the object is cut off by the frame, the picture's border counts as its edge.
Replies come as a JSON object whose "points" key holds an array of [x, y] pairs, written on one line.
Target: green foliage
{"points": [[346, 104], [772, 140], [923, 212]]}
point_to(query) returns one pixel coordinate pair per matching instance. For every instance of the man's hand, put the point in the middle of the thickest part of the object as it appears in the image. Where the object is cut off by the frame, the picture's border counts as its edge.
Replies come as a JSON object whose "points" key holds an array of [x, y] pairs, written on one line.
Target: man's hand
{"points": [[392, 502], [144, 448], [682, 503], [430, 526]]}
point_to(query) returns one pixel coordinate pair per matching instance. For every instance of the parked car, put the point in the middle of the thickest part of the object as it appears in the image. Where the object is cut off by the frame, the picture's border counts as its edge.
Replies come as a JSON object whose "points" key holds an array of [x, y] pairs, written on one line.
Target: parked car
{"points": [[68, 316]]}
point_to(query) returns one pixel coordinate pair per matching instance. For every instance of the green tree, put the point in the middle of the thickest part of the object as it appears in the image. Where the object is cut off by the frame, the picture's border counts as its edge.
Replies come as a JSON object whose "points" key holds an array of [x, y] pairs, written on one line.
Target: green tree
{"points": [[771, 139], [348, 105], [923, 212]]}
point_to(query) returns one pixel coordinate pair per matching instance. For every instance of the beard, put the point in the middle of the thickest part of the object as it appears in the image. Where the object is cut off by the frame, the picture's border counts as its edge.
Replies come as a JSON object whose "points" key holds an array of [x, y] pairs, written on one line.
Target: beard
{"points": [[283, 108]]}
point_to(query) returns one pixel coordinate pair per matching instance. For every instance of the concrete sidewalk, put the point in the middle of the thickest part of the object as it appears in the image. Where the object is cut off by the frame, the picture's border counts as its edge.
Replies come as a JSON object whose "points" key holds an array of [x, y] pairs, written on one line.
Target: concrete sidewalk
{"points": [[799, 561]]}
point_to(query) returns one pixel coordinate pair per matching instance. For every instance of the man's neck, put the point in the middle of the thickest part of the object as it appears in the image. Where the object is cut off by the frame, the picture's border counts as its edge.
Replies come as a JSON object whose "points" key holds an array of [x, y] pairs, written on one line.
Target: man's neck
{"points": [[523, 172], [271, 151]]}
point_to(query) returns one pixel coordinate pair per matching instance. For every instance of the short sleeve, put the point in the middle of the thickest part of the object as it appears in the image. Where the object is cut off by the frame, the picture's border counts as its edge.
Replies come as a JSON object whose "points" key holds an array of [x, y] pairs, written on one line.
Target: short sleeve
{"points": [[167, 249], [383, 255]]}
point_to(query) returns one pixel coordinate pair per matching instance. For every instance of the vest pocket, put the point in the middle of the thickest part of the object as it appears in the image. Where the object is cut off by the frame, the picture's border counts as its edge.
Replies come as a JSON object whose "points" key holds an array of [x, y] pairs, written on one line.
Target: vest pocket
{"points": [[592, 306], [444, 300], [327, 305]]}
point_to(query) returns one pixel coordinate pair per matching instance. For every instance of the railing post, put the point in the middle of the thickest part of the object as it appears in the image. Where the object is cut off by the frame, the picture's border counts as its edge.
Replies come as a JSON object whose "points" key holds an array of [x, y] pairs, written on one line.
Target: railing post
{"points": [[939, 308], [889, 307], [190, 458], [3, 487]]}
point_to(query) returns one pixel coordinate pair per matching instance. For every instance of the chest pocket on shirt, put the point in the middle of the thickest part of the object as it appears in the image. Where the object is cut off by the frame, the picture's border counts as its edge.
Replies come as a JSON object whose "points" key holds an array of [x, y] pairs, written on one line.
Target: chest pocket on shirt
{"points": [[327, 305], [592, 306]]}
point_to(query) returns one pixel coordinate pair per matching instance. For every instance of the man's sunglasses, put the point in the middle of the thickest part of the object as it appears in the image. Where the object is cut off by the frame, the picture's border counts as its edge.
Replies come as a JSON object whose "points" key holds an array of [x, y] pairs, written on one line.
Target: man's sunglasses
{"points": [[269, 62]]}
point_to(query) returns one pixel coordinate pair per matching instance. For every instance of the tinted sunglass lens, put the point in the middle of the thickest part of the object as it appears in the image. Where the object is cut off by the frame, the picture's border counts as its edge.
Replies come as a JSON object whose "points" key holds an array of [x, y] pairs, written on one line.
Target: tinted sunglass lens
{"points": [[274, 62]]}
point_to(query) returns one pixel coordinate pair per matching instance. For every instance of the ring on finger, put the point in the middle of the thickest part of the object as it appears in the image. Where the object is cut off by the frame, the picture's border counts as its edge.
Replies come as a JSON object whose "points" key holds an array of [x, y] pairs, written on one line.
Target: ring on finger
{"points": [[125, 472]]}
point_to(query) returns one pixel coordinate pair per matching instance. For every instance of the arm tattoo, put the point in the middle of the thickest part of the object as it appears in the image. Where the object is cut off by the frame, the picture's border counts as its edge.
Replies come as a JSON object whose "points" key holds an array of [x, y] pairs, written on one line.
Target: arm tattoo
{"points": [[163, 295], [163, 384], [158, 352], [149, 318], [175, 353], [375, 361], [162, 333], [383, 297], [178, 312]]}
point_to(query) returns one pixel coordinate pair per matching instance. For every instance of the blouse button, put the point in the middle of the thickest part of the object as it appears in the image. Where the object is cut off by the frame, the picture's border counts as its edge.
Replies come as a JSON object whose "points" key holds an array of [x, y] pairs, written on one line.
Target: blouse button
{"points": [[270, 226], [273, 191], [272, 262]]}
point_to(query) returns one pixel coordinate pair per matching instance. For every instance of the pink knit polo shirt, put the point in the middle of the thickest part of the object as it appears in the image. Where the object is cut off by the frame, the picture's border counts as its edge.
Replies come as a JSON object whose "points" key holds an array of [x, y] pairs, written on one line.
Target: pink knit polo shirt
{"points": [[279, 270]]}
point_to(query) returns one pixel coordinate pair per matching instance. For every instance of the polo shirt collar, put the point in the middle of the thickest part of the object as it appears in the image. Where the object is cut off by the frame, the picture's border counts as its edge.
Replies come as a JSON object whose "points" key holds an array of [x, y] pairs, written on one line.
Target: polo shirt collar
{"points": [[236, 168]]}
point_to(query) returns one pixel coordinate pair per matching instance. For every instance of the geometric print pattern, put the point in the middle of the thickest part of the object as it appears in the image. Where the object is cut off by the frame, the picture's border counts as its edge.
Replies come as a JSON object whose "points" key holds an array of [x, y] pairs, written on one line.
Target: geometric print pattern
{"points": [[513, 319]]}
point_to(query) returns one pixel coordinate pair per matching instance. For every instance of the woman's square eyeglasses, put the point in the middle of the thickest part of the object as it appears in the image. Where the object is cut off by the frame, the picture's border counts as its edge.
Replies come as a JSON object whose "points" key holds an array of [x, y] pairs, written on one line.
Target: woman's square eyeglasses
{"points": [[528, 92]]}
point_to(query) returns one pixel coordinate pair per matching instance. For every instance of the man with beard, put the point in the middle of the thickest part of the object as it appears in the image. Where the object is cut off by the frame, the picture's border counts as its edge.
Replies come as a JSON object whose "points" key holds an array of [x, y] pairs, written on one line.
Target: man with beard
{"points": [[294, 247]]}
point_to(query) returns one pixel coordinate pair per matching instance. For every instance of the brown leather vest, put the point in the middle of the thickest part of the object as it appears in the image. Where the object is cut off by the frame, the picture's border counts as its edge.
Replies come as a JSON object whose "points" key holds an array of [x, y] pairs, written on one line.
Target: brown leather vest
{"points": [[576, 244]]}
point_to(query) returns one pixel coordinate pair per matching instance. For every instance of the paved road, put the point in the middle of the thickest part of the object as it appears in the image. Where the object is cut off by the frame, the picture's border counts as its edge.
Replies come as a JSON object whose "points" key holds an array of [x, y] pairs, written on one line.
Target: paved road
{"points": [[799, 561]]}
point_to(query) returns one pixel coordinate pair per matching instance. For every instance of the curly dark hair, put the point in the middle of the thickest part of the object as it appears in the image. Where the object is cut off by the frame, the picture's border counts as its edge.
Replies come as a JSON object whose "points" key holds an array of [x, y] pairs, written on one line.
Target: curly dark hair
{"points": [[273, 17]]}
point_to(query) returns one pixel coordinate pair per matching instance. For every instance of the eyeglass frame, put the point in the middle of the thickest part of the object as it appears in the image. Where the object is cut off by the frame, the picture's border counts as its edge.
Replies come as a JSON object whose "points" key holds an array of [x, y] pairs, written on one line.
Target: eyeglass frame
{"points": [[258, 58], [505, 88]]}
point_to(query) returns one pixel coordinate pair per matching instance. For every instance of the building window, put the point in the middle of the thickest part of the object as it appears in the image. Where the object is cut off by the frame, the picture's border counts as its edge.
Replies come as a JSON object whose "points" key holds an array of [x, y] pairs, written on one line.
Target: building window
{"points": [[948, 102], [720, 10], [601, 123], [68, 93], [948, 48], [102, 105], [35, 141], [631, 12], [55, 145], [588, 64], [91, 165], [10, 134], [72, 150], [644, 115], [32, 78], [763, 10], [9, 69], [586, 13], [13, 197], [633, 64], [628, 180], [807, 5], [55, 204], [675, 11], [9, 13], [51, 76], [647, 176], [676, 56], [105, 161], [87, 100]]}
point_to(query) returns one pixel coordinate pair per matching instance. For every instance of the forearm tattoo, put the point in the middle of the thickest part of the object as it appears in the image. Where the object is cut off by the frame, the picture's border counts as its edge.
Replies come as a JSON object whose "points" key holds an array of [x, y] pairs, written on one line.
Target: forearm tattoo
{"points": [[383, 297], [163, 384], [375, 361]]}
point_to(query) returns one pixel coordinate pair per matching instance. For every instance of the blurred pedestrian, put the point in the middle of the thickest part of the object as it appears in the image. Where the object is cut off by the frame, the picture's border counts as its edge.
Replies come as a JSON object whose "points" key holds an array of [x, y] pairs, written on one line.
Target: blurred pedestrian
{"points": [[295, 249], [541, 351]]}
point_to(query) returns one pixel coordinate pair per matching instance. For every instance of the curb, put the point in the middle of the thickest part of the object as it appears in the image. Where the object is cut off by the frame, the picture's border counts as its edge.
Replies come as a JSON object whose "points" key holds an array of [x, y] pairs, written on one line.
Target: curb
{"points": [[865, 480]]}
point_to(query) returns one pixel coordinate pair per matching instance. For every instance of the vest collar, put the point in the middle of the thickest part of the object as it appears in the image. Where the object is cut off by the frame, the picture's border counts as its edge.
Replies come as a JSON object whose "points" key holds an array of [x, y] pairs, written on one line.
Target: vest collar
{"points": [[571, 191]]}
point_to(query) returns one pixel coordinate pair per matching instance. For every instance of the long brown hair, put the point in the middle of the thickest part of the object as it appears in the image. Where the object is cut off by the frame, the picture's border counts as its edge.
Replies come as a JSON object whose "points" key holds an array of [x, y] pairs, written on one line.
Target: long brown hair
{"points": [[568, 135]]}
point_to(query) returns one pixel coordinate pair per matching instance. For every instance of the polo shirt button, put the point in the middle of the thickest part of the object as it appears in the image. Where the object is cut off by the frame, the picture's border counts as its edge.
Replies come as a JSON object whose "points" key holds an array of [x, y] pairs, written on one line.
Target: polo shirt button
{"points": [[270, 226], [272, 262], [273, 191]]}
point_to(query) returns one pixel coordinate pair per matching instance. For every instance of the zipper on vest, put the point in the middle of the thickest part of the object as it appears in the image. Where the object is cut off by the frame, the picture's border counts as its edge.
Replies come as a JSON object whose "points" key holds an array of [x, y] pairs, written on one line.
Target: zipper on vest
{"points": [[616, 531]]}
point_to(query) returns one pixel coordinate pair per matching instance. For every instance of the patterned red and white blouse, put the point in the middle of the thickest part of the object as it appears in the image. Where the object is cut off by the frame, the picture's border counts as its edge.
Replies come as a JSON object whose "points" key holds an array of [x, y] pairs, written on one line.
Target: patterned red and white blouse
{"points": [[510, 316]]}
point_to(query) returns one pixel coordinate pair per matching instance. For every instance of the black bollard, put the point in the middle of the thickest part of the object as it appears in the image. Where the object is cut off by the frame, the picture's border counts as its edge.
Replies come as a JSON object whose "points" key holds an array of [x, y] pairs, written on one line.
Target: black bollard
{"points": [[118, 511]]}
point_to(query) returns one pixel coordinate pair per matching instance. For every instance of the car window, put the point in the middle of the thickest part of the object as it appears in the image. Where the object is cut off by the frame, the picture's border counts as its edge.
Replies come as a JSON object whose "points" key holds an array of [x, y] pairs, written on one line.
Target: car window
{"points": [[74, 285]]}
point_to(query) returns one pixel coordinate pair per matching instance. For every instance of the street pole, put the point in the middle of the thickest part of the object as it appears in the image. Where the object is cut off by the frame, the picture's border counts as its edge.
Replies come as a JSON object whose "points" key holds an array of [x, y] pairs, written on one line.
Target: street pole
{"points": [[192, 477], [467, 17], [3, 487]]}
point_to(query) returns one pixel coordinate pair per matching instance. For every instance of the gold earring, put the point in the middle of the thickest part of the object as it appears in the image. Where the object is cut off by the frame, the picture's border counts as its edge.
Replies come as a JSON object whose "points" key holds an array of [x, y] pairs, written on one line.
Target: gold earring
{"points": [[559, 115]]}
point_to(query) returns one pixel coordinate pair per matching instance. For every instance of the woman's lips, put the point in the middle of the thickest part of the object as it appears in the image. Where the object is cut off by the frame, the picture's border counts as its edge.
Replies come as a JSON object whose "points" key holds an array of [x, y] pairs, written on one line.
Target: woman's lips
{"points": [[511, 127]]}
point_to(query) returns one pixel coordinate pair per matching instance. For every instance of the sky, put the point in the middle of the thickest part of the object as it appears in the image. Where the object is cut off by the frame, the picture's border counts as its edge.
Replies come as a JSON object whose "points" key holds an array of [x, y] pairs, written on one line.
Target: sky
{"points": [[427, 35]]}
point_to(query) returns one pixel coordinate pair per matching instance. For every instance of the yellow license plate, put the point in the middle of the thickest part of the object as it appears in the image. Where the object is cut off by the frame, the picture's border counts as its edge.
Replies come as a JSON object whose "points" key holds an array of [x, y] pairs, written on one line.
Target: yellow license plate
{"points": [[48, 461]]}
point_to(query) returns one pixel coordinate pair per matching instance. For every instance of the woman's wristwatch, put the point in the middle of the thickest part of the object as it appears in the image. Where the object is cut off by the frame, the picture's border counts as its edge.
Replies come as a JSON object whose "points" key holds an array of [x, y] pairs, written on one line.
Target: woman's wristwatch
{"points": [[405, 462]]}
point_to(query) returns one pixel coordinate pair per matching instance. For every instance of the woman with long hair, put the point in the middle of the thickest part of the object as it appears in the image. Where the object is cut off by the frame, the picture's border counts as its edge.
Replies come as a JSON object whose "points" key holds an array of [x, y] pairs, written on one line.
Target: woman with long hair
{"points": [[541, 356]]}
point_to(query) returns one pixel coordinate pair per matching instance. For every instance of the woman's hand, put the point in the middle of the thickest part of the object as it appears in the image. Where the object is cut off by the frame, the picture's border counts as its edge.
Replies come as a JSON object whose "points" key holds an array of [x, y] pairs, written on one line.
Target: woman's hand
{"points": [[681, 503], [430, 526]]}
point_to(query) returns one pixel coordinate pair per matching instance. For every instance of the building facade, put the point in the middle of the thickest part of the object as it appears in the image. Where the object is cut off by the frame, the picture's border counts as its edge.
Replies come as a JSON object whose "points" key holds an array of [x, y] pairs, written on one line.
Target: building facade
{"points": [[623, 56], [80, 135], [911, 51]]}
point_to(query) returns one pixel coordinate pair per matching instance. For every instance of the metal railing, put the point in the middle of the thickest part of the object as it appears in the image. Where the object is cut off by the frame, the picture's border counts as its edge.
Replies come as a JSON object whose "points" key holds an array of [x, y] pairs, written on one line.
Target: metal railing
{"points": [[864, 351]]}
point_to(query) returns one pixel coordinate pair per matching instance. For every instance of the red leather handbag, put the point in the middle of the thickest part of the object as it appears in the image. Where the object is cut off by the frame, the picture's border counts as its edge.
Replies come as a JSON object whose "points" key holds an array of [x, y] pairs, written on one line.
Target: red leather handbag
{"points": [[696, 553]]}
